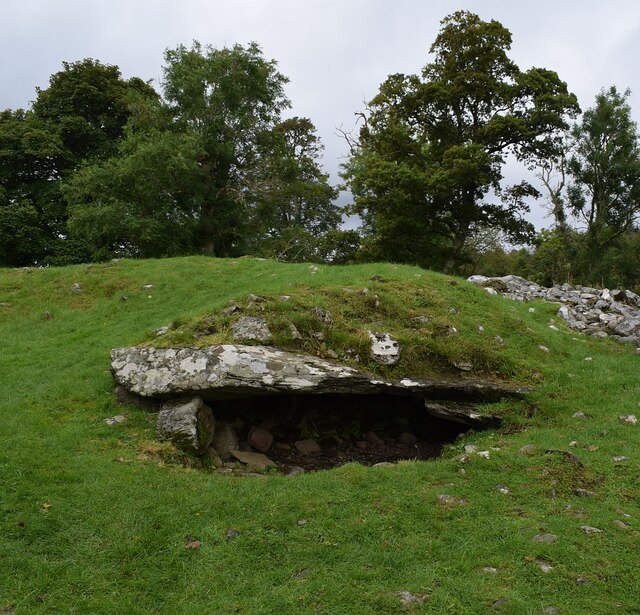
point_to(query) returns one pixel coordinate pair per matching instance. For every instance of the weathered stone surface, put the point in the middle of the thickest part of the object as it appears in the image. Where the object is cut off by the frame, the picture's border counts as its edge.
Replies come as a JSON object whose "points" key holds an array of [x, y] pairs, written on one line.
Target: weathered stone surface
{"points": [[251, 328], [187, 423], [384, 348], [254, 460], [233, 371]]}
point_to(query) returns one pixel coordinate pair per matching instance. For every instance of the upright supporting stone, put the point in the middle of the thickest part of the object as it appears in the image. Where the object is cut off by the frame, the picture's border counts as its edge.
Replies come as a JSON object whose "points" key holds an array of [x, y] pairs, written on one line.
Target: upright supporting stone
{"points": [[187, 423]]}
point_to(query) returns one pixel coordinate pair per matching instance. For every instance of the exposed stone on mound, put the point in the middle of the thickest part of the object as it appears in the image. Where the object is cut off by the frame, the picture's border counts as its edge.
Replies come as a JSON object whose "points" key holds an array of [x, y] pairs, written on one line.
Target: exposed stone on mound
{"points": [[189, 424], [596, 312], [235, 371]]}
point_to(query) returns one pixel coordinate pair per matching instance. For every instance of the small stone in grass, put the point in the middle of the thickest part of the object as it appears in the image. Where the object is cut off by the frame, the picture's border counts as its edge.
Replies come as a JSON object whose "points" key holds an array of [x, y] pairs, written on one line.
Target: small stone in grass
{"points": [[470, 449], [584, 493], [499, 603], [490, 570], [528, 449], [579, 415], [115, 420], [543, 348], [550, 610], [629, 420], [620, 458], [407, 598], [587, 529], [545, 537], [484, 454], [231, 535], [503, 489], [588, 358], [621, 524], [450, 500]]}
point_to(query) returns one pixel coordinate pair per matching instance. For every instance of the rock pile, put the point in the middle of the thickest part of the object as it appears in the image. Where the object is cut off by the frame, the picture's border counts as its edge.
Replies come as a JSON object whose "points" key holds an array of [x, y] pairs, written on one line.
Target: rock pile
{"points": [[597, 312]]}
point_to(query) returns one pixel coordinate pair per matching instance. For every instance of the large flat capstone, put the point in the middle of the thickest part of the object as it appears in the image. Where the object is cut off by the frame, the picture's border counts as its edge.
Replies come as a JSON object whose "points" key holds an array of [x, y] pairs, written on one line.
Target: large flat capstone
{"points": [[237, 371]]}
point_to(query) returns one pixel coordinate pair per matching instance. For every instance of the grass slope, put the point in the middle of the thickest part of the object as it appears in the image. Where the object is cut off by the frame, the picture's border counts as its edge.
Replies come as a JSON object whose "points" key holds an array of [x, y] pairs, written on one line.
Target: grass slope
{"points": [[93, 522]]}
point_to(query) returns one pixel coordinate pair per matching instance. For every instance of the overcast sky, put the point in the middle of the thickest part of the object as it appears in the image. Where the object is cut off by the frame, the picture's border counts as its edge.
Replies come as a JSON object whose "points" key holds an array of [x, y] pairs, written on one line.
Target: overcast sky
{"points": [[335, 52]]}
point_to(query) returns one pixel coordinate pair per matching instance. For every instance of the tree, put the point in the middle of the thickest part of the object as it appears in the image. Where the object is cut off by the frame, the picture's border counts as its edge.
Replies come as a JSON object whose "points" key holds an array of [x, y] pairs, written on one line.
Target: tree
{"points": [[295, 206], [230, 100], [432, 148], [79, 117], [605, 171]]}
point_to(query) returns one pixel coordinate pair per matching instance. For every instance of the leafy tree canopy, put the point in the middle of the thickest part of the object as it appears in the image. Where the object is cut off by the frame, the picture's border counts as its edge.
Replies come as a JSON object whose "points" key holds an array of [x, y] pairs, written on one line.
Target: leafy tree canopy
{"points": [[432, 147]]}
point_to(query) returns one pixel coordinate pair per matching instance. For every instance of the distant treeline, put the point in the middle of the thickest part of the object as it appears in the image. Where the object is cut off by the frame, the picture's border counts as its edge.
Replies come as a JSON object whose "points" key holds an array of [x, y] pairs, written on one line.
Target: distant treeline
{"points": [[101, 167]]}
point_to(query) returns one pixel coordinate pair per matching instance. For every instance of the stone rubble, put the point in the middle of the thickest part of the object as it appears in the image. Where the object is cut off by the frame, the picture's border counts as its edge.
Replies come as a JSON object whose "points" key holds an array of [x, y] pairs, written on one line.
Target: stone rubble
{"points": [[597, 312]]}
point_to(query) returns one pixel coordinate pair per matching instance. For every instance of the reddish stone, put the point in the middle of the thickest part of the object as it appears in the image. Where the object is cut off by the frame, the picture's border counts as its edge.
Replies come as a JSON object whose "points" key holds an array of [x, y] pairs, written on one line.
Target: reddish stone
{"points": [[407, 438], [260, 438], [308, 447], [372, 438]]}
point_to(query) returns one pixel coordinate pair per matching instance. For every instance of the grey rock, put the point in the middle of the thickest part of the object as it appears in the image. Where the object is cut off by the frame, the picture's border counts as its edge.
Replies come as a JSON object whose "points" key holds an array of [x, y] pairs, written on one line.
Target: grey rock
{"points": [[545, 537], [251, 328], [232, 308], [162, 330], [225, 440], [234, 371], [76, 288], [322, 315], [115, 420], [587, 529], [407, 598], [585, 493], [187, 423], [385, 349], [451, 500], [295, 334]]}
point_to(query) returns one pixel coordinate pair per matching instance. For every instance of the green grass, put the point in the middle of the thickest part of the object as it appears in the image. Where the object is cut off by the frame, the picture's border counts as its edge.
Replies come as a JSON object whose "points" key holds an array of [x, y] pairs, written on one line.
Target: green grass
{"points": [[94, 518]]}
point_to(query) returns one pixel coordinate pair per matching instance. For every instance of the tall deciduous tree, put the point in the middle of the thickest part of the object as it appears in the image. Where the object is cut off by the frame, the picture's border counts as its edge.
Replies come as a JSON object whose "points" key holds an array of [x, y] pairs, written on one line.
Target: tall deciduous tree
{"points": [[432, 148], [296, 202], [79, 117], [605, 170], [230, 99]]}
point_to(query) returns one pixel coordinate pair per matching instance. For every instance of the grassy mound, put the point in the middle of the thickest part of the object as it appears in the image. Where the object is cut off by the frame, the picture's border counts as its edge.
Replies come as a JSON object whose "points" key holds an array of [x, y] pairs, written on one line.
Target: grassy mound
{"points": [[97, 518]]}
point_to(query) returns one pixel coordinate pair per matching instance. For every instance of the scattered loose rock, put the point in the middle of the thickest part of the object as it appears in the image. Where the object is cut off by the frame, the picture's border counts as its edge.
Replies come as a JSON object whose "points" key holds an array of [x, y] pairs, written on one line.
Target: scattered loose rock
{"points": [[254, 460], [545, 537], [385, 349], [585, 493], [587, 529], [596, 312], [629, 420], [451, 500], [115, 420], [251, 328], [407, 598]]}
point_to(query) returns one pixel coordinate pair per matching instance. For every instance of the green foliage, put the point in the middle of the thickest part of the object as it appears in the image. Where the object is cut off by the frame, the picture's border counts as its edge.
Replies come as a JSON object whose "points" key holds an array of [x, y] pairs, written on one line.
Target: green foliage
{"points": [[80, 116], [229, 100], [605, 169], [295, 200], [432, 149]]}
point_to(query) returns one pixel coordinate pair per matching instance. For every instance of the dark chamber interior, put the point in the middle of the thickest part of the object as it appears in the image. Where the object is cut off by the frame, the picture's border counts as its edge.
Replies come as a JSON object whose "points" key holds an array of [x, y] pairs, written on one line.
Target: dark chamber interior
{"points": [[368, 429]]}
